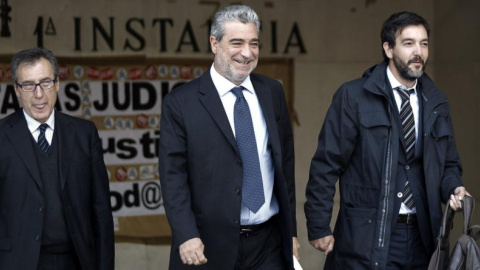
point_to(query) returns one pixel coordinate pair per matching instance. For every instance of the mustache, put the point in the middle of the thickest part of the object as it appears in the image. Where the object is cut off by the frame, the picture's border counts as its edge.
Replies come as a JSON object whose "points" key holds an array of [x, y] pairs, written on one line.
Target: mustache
{"points": [[416, 59]]}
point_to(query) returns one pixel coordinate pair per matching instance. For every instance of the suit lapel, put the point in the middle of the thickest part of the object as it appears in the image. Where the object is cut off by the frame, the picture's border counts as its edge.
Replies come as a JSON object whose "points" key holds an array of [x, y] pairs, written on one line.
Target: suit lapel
{"points": [[213, 104], [21, 140], [65, 145]]}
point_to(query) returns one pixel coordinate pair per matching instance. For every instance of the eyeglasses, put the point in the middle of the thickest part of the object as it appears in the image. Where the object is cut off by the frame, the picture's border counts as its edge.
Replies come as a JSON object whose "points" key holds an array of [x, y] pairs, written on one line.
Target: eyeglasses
{"points": [[30, 87]]}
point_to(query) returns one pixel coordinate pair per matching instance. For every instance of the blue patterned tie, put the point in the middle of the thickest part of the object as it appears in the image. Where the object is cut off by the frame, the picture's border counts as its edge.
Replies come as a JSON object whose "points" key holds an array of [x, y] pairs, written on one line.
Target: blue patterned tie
{"points": [[252, 194], [408, 124], [42, 141]]}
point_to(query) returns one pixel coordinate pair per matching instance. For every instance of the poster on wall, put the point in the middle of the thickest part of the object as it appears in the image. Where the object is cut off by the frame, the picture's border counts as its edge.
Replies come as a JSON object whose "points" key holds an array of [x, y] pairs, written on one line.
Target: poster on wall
{"points": [[124, 101]]}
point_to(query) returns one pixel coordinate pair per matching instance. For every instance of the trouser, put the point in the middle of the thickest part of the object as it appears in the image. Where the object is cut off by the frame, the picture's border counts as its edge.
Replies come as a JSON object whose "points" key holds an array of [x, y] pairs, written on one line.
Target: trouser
{"points": [[260, 247], [58, 261], [406, 250]]}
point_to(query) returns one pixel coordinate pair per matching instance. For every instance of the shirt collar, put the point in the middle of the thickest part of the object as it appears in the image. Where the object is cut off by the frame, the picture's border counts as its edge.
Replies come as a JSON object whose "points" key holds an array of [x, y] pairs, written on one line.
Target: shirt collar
{"points": [[395, 83], [224, 86], [34, 124]]}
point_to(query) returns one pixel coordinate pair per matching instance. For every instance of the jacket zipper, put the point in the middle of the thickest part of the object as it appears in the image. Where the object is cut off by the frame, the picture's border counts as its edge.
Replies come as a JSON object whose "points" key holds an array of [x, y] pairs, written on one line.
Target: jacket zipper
{"points": [[387, 181]]}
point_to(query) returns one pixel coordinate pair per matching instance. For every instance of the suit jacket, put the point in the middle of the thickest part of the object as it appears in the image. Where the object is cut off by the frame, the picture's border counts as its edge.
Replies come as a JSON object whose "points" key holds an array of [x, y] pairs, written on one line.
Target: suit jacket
{"points": [[85, 194], [201, 172]]}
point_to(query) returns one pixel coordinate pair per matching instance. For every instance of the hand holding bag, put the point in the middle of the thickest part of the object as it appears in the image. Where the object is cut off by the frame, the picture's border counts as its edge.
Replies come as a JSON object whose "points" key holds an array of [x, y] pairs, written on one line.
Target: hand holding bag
{"points": [[465, 254]]}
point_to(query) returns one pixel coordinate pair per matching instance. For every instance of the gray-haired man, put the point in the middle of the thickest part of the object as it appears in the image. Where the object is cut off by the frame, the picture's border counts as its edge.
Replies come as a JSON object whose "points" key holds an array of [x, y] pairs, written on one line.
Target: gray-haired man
{"points": [[227, 161]]}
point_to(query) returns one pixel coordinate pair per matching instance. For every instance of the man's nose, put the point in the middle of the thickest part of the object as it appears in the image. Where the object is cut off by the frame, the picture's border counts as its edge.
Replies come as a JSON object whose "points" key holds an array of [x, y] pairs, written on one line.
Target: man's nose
{"points": [[246, 51], [38, 91]]}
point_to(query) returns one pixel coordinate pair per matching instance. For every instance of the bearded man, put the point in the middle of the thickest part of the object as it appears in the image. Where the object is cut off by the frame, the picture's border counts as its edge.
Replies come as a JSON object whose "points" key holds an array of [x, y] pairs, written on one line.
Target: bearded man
{"points": [[388, 139]]}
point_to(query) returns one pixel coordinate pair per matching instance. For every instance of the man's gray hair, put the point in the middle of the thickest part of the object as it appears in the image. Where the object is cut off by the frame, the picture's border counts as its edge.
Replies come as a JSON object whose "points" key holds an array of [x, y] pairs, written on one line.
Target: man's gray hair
{"points": [[30, 57], [233, 13]]}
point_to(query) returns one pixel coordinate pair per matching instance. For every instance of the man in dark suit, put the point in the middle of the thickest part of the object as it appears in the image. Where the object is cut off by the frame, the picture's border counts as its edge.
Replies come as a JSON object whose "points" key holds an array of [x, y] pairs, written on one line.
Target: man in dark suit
{"points": [[55, 209], [388, 138], [226, 159]]}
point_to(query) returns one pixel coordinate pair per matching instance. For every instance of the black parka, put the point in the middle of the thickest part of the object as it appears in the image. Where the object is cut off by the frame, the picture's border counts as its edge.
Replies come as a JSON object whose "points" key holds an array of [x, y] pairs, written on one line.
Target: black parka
{"points": [[360, 145]]}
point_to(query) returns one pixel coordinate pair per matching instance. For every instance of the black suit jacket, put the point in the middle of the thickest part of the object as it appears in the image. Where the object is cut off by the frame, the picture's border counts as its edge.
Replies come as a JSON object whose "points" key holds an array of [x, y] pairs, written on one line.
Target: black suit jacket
{"points": [[85, 194], [201, 172]]}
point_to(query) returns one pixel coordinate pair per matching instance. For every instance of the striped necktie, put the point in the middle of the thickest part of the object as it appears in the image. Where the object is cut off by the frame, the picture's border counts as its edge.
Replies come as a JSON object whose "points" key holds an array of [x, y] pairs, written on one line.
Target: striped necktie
{"points": [[42, 140], [408, 125]]}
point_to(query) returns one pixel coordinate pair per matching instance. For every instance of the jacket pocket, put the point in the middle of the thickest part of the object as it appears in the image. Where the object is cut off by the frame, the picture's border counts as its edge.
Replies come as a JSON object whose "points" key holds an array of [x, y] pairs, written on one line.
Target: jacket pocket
{"points": [[375, 128], [439, 139], [374, 119], [5, 243], [356, 233], [441, 129], [374, 124]]}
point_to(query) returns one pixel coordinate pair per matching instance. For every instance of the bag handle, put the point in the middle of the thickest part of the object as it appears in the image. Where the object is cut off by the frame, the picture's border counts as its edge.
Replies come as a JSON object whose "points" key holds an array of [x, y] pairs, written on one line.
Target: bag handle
{"points": [[438, 258], [468, 204], [447, 225]]}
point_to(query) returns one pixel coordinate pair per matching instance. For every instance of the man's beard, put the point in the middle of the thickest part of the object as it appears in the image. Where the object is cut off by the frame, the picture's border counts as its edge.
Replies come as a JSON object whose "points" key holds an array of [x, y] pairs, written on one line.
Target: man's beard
{"points": [[230, 73], [406, 72]]}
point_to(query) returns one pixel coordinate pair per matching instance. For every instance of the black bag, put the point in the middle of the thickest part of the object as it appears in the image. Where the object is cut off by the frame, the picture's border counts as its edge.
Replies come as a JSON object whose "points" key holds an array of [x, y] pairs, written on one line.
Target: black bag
{"points": [[465, 254]]}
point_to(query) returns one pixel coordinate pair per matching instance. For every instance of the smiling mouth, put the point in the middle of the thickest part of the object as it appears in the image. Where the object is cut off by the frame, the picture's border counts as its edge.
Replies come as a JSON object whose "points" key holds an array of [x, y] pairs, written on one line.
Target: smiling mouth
{"points": [[243, 62]]}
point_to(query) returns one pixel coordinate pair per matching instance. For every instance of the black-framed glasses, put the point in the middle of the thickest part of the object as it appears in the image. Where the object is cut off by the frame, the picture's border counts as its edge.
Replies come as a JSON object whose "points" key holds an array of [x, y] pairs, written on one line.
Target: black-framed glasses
{"points": [[30, 87]]}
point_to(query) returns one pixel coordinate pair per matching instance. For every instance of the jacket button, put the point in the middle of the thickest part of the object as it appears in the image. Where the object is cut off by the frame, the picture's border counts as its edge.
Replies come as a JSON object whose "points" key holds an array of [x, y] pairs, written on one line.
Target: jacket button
{"points": [[407, 167], [40, 209], [237, 191], [239, 163], [399, 194], [37, 238], [236, 221]]}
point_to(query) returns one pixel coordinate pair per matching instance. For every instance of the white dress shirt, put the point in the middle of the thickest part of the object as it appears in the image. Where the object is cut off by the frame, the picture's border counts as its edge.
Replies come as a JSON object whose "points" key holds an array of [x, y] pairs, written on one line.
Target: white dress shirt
{"points": [[415, 109], [223, 86], [34, 126]]}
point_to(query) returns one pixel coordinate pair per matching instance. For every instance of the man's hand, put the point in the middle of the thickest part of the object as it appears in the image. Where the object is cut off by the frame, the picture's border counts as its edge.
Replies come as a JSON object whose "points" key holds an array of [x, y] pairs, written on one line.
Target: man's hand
{"points": [[296, 246], [324, 244], [457, 197], [191, 252]]}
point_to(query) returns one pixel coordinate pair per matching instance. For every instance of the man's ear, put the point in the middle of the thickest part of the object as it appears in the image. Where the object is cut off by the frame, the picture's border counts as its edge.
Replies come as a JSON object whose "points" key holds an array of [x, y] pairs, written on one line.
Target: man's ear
{"points": [[388, 50], [214, 44]]}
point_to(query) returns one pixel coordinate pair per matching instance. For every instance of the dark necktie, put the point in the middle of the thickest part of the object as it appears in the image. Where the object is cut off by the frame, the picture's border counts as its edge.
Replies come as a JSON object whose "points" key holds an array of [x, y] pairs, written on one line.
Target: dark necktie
{"points": [[252, 190], [408, 124], [42, 140]]}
